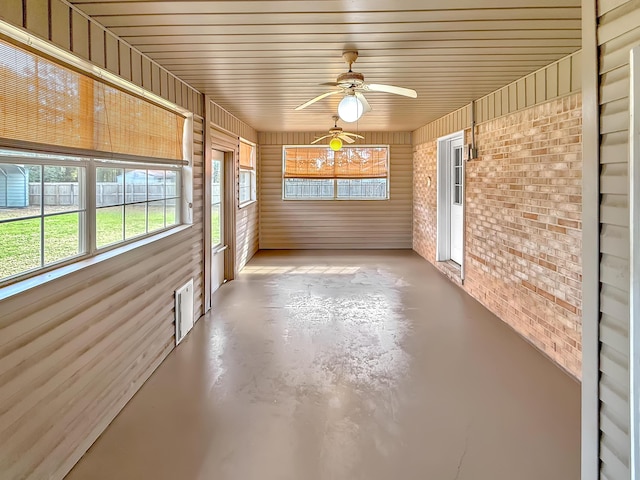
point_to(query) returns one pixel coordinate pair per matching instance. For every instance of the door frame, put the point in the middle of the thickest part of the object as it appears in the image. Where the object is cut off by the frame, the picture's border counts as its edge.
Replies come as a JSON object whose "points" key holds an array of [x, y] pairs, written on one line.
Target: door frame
{"points": [[216, 139], [443, 196]]}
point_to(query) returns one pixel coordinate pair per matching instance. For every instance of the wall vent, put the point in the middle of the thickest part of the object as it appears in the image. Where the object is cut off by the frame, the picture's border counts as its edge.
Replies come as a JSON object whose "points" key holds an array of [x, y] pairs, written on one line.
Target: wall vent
{"points": [[184, 310]]}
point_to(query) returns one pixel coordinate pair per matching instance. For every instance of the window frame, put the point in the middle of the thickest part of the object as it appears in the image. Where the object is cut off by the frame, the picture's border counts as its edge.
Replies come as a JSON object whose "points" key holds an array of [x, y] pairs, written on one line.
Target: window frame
{"points": [[87, 231], [124, 165], [252, 187], [53, 159], [253, 195], [25, 149], [335, 197]]}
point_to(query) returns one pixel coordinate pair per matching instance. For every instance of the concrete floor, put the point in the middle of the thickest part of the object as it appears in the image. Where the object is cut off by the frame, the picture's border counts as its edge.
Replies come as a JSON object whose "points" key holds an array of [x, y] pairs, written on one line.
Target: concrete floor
{"points": [[345, 366]]}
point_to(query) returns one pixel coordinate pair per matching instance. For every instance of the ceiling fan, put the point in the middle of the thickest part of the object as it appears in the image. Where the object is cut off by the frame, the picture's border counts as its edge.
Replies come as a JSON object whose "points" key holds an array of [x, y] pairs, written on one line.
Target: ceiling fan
{"points": [[352, 84], [337, 135]]}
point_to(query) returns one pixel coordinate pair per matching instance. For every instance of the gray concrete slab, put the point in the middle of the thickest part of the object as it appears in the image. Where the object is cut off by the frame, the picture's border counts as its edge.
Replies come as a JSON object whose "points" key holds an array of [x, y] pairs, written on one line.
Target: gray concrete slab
{"points": [[346, 365]]}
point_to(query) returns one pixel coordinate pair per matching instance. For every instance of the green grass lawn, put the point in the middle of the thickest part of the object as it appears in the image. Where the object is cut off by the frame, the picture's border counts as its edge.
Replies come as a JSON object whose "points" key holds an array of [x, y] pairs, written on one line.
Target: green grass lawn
{"points": [[20, 240]]}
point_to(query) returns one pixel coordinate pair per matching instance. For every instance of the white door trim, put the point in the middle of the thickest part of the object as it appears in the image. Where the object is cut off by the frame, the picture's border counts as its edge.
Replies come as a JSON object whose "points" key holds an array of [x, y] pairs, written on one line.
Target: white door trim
{"points": [[443, 195]]}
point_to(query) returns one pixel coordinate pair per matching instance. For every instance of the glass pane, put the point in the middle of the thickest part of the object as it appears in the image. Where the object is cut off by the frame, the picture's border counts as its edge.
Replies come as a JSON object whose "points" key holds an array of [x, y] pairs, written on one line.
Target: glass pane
{"points": [[156, 215], [19, 246], [61, 237], [109, 226], [61, 188], [458, 175], [309, 188], [216, 224], [245, 186], [109, 186], [172, 179], [34, 173], [172, 212], [15, 192], [365, 188], [156, 184], [216, 199], [135, 220], [457, 155], [457, 199], [135, 186]]}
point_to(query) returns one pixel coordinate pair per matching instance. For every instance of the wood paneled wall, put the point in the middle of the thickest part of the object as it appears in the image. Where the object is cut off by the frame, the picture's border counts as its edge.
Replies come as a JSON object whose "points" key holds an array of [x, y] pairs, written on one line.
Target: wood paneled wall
{"points": [[335, 223], [618, 31], [197, 235], [67, 27], [73, 351], [555, 80], [246, 244], [226, 121]]}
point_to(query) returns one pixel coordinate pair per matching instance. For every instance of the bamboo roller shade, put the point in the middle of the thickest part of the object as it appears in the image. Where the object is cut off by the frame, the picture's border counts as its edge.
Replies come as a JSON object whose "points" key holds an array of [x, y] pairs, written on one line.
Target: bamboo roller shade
{"points": [[46, 103], [247, 156], [348, 162]]}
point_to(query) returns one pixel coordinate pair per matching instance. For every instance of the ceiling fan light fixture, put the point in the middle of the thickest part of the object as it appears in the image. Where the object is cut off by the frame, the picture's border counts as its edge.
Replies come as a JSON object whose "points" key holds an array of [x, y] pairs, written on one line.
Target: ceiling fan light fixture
{"points": [[350, 109], [335, 144]]}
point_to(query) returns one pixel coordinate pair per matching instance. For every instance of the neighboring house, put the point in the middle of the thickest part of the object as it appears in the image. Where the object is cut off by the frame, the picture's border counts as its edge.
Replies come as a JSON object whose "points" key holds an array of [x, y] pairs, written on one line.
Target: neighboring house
{"points": [[14, 186]]}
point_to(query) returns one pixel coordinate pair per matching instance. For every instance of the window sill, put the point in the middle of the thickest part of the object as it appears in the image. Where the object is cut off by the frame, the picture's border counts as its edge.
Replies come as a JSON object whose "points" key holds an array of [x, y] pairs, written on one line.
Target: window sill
{"points": [[22, 286], [246, 204]]}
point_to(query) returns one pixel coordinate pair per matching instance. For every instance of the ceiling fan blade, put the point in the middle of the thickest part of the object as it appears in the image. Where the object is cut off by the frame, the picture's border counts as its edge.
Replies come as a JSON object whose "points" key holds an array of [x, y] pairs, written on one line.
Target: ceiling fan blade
{"points": [[347, 139], [376, 87], [365, 104], [318, 98], [355, 135], [330, 84], [319, 139]]}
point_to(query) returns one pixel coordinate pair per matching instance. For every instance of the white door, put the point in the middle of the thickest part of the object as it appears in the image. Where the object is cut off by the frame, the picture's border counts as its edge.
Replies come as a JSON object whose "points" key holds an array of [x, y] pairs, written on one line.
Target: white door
{"points": [[456, 199], [217, 220]]}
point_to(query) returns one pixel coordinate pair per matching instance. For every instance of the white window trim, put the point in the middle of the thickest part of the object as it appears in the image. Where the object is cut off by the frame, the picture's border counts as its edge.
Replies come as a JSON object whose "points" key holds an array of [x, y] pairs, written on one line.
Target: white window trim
{"points": [[254, 176], [185, 212], [88, 205], [254, 187], [335, 197], [59, 270]]}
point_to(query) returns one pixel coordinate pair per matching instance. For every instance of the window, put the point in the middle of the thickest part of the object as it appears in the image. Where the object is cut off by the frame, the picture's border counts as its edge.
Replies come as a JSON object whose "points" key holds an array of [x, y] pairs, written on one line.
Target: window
{"points": [[42, 213], [44, 218], [84, 166], [133, 201], [247, 177], [352, 173]]}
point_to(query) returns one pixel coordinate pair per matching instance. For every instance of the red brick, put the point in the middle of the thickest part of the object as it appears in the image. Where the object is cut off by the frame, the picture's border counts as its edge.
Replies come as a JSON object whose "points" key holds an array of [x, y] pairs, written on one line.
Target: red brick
{"points": [[523, 212]]}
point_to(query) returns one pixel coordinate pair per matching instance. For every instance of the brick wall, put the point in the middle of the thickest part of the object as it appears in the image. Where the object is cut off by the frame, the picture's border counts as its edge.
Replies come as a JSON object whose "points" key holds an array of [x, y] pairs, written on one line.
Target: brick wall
{"points": [[523, 223]]}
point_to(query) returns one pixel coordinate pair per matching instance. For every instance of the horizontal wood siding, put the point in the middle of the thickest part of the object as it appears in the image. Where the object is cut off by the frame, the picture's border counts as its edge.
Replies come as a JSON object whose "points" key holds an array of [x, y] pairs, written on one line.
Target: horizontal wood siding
{"points": [[618, 32], [198, 214], [67, 27], [226, 121], [247, 238], [555, 80], [74, 350], [335, 224]]}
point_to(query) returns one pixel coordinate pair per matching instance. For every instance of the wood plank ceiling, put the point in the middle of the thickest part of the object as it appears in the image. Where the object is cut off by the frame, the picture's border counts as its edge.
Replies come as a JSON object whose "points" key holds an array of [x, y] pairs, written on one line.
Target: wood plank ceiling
{"points": [[260, 59]]}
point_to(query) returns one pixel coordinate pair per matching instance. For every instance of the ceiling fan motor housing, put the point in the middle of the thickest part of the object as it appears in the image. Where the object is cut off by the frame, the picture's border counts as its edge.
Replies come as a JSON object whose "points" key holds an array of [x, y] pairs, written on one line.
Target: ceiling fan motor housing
{"points": [[350, 80]]}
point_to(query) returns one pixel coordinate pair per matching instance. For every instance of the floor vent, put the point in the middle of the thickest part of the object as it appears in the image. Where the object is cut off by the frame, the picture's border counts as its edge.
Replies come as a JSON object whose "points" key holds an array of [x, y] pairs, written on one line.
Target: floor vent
{"points": [[184, 310]]}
